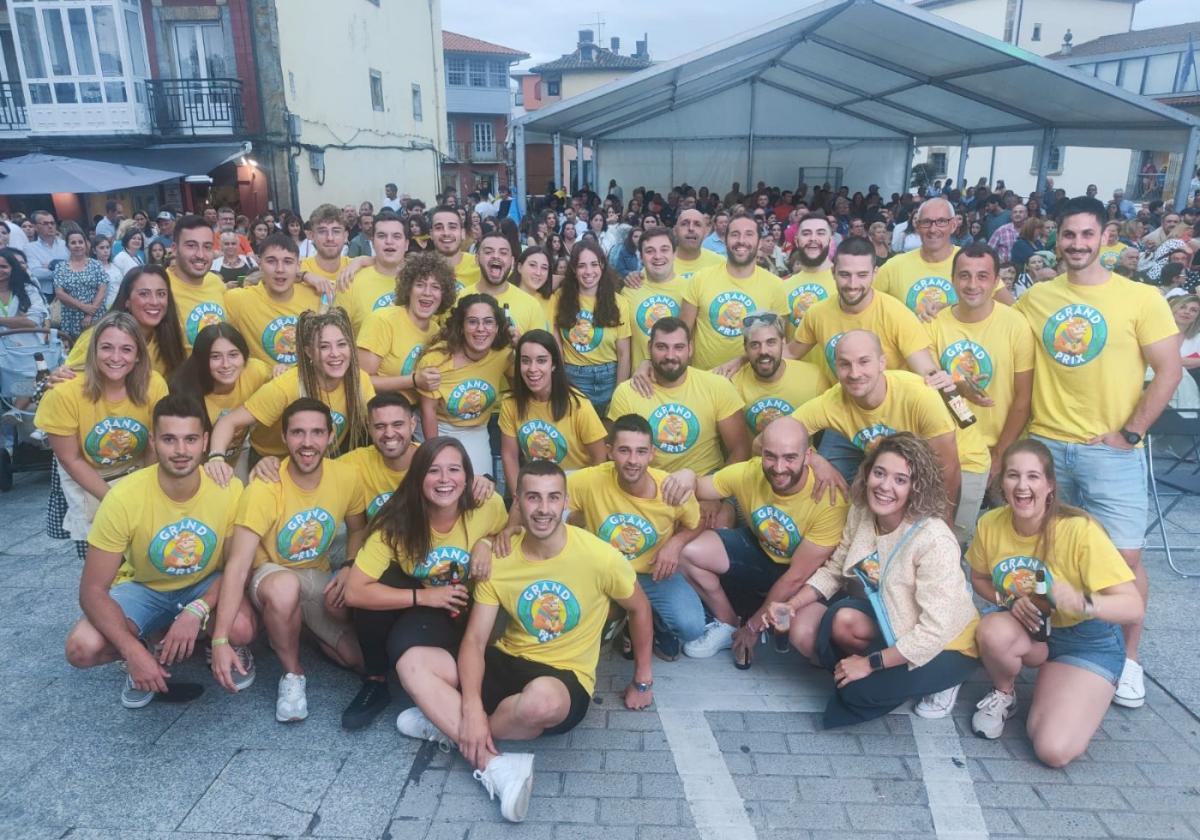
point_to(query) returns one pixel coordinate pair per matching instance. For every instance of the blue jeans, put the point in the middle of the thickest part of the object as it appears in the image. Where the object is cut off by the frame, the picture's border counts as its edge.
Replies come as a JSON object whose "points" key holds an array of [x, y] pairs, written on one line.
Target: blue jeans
{"points": [[1108, 483], [837, 449], [1093, 645], [677, 605], [152, 610], [597, 382]]}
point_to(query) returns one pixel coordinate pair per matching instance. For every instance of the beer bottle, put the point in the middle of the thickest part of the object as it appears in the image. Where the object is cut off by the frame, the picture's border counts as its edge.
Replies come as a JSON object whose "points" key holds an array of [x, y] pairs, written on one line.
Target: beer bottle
{"points": [[1041, 600], [960, 409], [455, 580]]}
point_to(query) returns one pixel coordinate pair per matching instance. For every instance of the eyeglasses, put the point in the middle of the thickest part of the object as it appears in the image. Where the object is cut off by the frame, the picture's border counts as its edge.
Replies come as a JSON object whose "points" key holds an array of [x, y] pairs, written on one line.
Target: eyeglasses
{"points": [[475, 323], [928, 223]]}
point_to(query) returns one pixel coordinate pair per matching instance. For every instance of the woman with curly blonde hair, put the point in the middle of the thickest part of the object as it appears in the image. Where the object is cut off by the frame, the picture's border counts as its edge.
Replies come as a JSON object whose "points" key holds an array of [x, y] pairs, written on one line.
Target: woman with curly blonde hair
{"points": [[889, 614]]}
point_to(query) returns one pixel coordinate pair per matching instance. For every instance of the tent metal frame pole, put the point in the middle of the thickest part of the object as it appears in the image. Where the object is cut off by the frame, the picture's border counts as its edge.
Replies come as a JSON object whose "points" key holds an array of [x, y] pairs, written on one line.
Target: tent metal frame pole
{"points": [[1044, 159], [906, 172], [1186, 167], [962, 161], [750, 138], [578, 163], [595, 144], [558, 176], [519, 165]]}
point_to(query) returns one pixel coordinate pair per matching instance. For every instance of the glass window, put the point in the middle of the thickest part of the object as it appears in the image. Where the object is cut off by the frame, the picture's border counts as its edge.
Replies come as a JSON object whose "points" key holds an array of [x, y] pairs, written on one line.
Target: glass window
{"points": [[115, 92], [90, 92], [56, 42], [1107, 71], [1160, 73], [478, 72], [499, 74], [416, 102], [81, 39], [39, 94], [137, 45], [456, 71], [31, 44], [376, 90], [106, 39], [485, 137], [64, 93], [553, 88], [1132, 72]]}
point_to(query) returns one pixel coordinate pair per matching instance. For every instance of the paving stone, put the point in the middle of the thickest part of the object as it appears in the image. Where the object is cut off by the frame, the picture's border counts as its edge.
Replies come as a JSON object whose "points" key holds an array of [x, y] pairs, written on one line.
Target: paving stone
{"points": [[419, 798], [1147, 826], [638, 721], [868, 767], [782, 722], [625, 761], [787, 765], [827, 743], [1083, 797], [606, 739], [562, 809], [805, 815], [1022, 771], [663, 833], [1060, 823], [1183, 800], [754, 743], [726, 721], [890, 818], [1008, 795], [998, 821], [596, 832], [661, 786], [643, 812], [226, 808], [600, 784], [766, 787]]}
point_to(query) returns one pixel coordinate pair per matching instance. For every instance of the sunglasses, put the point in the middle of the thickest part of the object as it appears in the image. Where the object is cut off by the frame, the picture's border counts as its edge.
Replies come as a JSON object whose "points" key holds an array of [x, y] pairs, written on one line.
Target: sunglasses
{"points": [[766, 318]]}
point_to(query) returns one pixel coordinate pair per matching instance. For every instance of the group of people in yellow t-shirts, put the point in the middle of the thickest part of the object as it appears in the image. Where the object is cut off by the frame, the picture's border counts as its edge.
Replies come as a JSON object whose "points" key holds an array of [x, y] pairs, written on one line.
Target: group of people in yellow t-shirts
{"points": [[697, 455]]}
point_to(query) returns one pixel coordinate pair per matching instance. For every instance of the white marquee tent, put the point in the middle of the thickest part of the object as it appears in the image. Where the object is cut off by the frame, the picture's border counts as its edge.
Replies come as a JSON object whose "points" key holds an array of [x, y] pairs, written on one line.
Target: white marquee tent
{"points": [[850, 83]]}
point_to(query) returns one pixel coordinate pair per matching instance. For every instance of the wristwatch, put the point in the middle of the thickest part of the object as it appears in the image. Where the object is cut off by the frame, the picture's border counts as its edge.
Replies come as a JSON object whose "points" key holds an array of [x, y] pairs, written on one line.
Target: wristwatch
{"points": [[875, 660], [1132, 438], [642, 687]]}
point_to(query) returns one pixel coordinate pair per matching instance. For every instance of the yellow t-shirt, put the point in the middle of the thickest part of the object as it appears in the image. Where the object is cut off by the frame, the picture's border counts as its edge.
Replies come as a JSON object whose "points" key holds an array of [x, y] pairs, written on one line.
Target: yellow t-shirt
{"points": [[268, 325], [634, 526], [391, 335], [526, 311], [764, 401], [466, 272], [557, 607], [311, 266], [804, 289], [1084, 557], [369, 290], [1109, 255], [1089, 367], [683, 419], [781, 523], [254, 376], [989, 354], [269, 402], [297, 527], [685, 269], [586, 344], [909, 406], [444, 549], [379, 481], [167, 545], [899, 331], [198, 306], [541, 437], [467, 394], [917, 284], [647, 304], [77, 358], [721, 301], [111, 434]]}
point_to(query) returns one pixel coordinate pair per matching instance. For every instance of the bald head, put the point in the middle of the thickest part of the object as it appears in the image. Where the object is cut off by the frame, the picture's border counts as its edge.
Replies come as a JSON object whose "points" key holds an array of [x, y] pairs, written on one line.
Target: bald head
{"points": [[927, 207], [690, 230], [858, 343], [784, 454], [785, 434]]}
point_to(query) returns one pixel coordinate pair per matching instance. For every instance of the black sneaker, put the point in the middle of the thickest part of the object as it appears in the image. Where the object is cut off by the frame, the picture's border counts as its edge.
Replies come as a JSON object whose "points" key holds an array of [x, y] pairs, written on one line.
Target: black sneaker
{"points": [[371, 699], [667, 646]]}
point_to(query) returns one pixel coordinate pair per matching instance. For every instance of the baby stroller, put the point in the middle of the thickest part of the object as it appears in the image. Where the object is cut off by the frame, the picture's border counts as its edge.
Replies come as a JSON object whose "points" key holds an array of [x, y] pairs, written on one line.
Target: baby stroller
{"points": [[20, 447]]}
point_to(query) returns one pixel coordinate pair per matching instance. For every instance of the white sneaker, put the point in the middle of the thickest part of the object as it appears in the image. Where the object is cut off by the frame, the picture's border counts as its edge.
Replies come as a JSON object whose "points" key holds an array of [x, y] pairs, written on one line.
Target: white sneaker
{"points": [[292, 703], [717, 636], [240, 682], [937, 705], [993, 710], [413, 723], [1131, 688], [511, 777]]}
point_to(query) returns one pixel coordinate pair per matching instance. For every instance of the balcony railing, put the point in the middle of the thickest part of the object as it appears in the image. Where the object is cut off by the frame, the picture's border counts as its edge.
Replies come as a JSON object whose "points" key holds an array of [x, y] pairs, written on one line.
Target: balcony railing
{"points": [[13, 116], [195, 106], [472, 153]]}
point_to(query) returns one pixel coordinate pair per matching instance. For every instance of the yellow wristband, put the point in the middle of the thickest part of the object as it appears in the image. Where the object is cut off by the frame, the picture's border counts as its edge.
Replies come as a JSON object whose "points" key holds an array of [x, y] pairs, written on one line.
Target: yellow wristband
{"points": [[220, 640]]}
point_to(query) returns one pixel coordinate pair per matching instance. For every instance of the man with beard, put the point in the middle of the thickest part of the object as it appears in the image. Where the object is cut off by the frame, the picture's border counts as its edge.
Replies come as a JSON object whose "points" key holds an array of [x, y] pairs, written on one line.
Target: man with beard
{"points": [[770, 385], [556, 587], [494, 259], [693, 413], [374, 286], [813, 283], [721, 295], [621, 501], [920, 279], [788, 536], [285, 530], [146, 521], [446, 233], [1089, 407], [199, 293], [660, 296]]}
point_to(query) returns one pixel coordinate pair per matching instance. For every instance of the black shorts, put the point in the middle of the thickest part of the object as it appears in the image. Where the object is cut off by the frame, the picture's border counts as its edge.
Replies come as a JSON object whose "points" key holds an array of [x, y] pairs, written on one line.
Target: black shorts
{"points": [[505, 676]]}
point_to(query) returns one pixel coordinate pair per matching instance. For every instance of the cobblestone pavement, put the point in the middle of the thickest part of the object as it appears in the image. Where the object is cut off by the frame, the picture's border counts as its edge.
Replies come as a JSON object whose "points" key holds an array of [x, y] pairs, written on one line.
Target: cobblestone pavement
{"points": [[724, 755]]}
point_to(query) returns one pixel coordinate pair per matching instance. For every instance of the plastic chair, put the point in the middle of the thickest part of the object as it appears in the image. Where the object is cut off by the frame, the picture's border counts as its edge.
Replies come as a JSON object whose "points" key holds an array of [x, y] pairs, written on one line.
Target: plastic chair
{"points": [[1173, 476]]}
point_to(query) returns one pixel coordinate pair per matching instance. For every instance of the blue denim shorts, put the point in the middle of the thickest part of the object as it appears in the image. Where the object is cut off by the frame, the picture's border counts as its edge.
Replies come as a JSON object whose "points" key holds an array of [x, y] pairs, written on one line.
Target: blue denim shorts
{"points": [[152, 610], [1093, 645], [1108, 483], [597, 382]]}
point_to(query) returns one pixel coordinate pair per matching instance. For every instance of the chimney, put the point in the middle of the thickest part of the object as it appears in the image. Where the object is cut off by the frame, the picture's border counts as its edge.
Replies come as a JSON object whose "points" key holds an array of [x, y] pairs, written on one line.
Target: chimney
{"points": [[1066, 44], [587, 46], [642, 47], [615, 45]]}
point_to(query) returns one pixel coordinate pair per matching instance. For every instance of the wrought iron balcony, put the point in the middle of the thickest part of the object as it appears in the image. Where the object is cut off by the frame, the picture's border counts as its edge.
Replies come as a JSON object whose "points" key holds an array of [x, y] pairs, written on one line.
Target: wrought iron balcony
{"points": [[13, 116], [195, 106], [473, 153]]}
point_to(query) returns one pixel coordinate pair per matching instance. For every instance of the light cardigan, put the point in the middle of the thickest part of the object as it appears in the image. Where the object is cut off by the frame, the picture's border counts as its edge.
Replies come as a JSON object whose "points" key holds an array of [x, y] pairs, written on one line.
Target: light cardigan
{"points": [[924, 589]]}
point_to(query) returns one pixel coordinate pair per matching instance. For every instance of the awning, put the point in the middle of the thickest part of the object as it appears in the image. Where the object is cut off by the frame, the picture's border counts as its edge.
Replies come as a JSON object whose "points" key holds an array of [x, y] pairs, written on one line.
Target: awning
{"points": [[186, 158], [37, 174]]}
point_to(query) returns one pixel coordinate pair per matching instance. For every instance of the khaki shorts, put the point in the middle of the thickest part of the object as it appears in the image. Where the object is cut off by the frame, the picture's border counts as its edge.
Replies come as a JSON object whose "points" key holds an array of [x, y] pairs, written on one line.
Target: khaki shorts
{"points": [[316, 618], [970, 500]]}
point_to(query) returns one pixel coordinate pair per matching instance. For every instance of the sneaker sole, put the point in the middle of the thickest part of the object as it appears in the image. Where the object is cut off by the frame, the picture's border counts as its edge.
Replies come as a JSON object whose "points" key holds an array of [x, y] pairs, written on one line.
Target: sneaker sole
{"points": [[1129, 702], [138, 704], [294, 719], [979, 733]]}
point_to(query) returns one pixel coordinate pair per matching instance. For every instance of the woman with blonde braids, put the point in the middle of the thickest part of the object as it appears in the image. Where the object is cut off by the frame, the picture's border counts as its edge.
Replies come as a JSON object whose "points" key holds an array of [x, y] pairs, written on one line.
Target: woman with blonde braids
{"points": [[327, 369]]}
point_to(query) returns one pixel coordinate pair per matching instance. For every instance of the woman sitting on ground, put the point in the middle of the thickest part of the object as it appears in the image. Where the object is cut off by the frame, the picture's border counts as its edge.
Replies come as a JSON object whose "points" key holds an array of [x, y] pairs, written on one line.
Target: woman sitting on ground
{"points": [[1091, 588], [913, 635]]}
